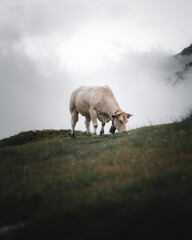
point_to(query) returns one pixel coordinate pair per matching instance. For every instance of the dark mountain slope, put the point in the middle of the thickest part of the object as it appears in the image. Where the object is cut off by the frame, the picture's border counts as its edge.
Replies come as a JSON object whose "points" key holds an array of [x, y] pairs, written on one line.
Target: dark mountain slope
{"points": [[186, 51], [185, 58]]}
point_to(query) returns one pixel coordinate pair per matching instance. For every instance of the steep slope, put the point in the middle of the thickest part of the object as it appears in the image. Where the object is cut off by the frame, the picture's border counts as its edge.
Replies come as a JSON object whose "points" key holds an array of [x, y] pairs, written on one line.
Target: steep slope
{"points": [[137, 183]]}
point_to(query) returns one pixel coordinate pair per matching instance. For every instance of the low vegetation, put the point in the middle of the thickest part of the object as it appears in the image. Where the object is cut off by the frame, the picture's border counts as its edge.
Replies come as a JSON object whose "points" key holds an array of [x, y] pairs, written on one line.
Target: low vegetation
{"points": [[138, 183]]}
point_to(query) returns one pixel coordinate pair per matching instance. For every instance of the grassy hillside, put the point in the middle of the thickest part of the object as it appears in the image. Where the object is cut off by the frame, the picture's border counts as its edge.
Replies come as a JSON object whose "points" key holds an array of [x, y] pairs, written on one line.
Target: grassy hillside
{"points": [[137, 183]]}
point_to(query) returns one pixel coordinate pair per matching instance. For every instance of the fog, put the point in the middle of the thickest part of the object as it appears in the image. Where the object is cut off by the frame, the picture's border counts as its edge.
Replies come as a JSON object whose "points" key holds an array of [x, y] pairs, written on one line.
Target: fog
{"points": [[49, 48]]}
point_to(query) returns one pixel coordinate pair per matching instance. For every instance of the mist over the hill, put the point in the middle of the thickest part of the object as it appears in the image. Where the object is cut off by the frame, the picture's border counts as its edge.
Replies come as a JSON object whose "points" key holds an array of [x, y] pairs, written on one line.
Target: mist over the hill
{"points": [[47, 49]]}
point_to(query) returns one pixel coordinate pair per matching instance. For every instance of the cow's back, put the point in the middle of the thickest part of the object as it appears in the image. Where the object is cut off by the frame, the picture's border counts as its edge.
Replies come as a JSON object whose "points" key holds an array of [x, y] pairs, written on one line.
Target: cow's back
{"points": [[97, 97]]}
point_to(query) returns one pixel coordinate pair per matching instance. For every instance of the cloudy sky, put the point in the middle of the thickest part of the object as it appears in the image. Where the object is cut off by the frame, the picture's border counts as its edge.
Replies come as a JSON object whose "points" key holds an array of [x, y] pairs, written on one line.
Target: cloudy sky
{"points": [[50, 47]]}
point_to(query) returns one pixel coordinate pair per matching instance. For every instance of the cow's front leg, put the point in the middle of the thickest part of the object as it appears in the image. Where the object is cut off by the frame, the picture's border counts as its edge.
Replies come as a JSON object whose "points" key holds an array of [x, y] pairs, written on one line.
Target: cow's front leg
{"points": [[93, 115], [102, 128], [87, 125]]}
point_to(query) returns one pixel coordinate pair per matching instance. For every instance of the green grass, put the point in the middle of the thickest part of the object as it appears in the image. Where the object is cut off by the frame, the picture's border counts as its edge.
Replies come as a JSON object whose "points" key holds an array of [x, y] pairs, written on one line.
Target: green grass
{"points": [[137, 183]]}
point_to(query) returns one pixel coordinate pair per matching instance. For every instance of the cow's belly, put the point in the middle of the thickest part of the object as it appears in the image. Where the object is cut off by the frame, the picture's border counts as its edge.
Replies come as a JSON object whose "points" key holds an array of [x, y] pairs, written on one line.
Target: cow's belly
{"points": [[83, 109], [83, 106]]}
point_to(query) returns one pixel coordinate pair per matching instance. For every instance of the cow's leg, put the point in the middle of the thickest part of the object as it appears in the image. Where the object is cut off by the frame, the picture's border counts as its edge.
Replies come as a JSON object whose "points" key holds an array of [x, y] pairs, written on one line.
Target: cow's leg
{"points": [[87, 125], [102, 128], [74, 120], [93, 115]]}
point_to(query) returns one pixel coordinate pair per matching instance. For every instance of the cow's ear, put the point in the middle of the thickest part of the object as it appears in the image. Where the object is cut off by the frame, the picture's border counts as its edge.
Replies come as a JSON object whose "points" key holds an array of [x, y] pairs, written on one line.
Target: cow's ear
{"points": [[129, 115], [114, 115]]}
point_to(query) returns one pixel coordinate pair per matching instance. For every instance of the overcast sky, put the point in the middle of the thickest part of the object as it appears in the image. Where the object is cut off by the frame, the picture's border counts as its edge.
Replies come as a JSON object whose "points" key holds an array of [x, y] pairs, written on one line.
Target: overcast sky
{"points": [[50, 47]]}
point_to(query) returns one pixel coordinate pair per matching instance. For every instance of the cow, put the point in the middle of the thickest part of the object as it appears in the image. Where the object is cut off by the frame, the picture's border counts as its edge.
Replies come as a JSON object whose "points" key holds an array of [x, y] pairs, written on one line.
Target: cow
{"points": [[97, 102]]}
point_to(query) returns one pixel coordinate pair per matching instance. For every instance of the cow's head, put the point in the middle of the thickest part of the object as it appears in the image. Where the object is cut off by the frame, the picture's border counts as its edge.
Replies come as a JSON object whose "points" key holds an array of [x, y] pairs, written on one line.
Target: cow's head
{"points": [[119, 121]]}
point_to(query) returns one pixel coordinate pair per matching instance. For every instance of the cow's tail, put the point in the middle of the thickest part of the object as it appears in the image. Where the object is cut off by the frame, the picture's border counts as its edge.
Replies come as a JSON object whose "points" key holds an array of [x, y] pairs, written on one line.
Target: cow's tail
{"points": [[71, 103]]}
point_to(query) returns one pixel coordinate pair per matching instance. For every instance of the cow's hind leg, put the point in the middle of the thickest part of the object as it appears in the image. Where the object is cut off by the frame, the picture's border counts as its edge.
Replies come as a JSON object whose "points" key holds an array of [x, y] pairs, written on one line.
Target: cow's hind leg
{"points": [[87, 125], [74, 120], [93, 115], [102, 128]]}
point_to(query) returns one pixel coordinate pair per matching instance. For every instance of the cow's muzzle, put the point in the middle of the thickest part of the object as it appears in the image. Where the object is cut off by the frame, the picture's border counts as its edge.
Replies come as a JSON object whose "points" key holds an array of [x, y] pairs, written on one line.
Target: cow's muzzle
{"points": [[112, 129]]}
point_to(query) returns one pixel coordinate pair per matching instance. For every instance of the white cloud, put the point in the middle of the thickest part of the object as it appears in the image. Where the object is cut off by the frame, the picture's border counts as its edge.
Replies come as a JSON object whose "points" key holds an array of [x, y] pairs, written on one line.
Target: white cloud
{"points": [[50, 47]]}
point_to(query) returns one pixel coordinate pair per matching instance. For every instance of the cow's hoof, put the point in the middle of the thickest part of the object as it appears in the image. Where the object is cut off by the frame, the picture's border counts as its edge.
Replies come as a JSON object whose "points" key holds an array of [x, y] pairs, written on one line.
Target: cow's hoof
{"points": [[73, 135], [101, 132], [94, 135]]}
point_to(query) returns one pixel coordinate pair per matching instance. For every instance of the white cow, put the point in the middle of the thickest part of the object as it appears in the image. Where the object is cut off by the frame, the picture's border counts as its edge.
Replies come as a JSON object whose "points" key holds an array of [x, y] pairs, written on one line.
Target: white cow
{"points": [[97, 102]]}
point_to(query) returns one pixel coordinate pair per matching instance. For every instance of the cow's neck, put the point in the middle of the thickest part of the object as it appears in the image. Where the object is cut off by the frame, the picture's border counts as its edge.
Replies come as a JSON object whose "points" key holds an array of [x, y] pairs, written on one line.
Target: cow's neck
{"points": [[116, 112], [113, 108]]}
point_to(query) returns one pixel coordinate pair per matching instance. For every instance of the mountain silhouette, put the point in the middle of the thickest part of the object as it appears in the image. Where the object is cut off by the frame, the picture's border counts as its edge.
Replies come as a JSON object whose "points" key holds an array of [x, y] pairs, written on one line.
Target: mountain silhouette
{"points": [[185, 58], [186, 51]]}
